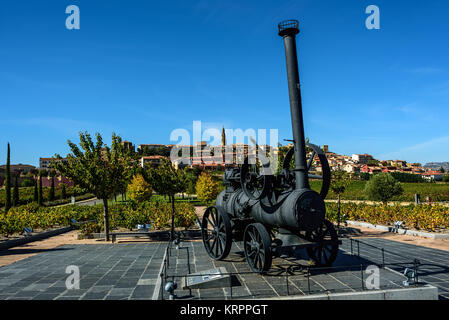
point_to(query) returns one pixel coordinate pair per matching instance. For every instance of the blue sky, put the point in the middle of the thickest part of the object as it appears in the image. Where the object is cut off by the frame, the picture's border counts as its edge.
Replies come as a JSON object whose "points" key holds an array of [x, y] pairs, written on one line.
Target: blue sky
{"points": [[144, 68]]}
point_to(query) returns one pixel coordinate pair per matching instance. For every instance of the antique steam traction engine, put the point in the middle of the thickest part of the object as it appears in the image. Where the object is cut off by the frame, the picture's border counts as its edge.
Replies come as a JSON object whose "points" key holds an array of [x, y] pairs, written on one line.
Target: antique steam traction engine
{"points": [[269, 212]]}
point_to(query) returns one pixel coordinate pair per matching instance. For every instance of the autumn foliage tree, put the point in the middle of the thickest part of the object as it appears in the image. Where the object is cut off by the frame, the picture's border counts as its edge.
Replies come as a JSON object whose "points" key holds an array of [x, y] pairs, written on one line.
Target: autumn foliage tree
{"points": [[139, 190], [98, 169], [206, 188]]}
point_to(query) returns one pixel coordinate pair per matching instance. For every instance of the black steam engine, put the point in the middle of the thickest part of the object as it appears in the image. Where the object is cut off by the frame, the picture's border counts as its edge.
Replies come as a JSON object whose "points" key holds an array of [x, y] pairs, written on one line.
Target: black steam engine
{"points": [[272, 212]]}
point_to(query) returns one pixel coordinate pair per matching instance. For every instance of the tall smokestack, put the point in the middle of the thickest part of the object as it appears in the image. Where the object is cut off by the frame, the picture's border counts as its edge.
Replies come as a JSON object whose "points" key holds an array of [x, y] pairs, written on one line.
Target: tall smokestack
{"points": [[288, 30]]}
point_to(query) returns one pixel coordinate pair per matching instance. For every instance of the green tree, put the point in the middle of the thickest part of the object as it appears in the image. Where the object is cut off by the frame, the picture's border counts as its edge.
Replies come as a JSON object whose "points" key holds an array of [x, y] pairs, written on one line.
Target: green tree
{"points": [[8, 181], [339, 182], [15, 194], [365, 176], [282, 151], [98, 169], [139, 190], [51, 196], [206, 188], [442, 170], [63, 192], [446, 178], [382, 187], [36, 194], [40, 199], [27, 183], [190, 182], [167, 180]]}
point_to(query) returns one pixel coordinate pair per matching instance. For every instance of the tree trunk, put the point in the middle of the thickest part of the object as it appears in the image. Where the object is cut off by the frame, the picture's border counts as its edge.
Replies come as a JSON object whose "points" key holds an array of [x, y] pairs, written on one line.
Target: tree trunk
{"points": [[106, 219], [172, 233]]}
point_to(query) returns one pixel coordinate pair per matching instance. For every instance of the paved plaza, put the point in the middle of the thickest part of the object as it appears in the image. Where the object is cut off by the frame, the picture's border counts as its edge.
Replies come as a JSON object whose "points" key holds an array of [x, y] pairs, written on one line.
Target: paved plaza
{"points": [[123, 271], [434, 263], [288, 275], [130, 270]]}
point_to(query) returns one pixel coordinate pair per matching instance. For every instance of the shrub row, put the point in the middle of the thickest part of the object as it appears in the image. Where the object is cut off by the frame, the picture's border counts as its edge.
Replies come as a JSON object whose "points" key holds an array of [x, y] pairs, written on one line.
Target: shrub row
{"points": [[35, 217], [421, 217], [121, 215], [156, 213]]}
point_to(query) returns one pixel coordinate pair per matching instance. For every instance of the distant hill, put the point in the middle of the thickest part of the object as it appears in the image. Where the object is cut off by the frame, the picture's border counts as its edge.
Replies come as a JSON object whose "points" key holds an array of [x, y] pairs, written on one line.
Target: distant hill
{"points": [[437, 165]]}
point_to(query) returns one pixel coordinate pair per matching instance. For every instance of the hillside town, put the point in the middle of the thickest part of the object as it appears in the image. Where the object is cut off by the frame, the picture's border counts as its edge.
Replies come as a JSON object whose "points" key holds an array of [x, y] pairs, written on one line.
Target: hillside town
{"points": [[202, 156]]}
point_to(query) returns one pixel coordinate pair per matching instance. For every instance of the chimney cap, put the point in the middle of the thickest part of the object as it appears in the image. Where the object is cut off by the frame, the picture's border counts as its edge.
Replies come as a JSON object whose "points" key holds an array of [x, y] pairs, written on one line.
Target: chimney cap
{"points": [[288, 27]]}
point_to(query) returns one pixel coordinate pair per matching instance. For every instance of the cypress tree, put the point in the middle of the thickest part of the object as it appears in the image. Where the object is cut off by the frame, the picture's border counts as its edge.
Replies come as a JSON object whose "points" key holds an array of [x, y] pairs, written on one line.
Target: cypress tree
{"points": [[15, 195], [51, 196], [8, 181], [35, 197], [63, 192], [40, 199]]}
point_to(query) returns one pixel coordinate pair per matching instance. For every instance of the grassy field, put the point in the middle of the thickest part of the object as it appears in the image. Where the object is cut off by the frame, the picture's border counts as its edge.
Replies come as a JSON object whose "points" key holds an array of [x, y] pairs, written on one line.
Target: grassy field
{"points": [[436, 191], [194, 201]]}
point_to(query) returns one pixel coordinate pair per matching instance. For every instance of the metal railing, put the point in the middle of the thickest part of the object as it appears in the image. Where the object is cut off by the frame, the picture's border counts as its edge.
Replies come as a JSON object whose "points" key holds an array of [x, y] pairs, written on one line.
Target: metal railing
{"points": [[288, 271], [308, 272], [165, 266]]}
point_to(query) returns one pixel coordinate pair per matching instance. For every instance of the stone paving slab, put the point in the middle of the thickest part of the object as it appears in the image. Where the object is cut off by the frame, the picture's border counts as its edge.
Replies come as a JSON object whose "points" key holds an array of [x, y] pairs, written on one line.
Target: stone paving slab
{"points": [[120, 271], [247, 285], [130, 271], [434, 268]]}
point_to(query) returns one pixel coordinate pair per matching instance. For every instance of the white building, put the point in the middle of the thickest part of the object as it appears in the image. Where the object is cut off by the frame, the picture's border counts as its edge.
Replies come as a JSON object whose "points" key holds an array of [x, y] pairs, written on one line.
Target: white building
{"points": [[45, 163]]}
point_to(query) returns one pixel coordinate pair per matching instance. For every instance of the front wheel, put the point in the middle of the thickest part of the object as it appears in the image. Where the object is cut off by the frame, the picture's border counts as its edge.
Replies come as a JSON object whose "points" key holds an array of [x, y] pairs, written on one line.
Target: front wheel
{"points": [[257, 247], [216, 233]]}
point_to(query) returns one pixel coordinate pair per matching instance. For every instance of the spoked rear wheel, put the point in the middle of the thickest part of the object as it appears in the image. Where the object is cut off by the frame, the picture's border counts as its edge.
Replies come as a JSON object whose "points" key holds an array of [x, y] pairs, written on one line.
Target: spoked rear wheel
{"points": [[325, 251], [216, 232], [257, 247]]}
